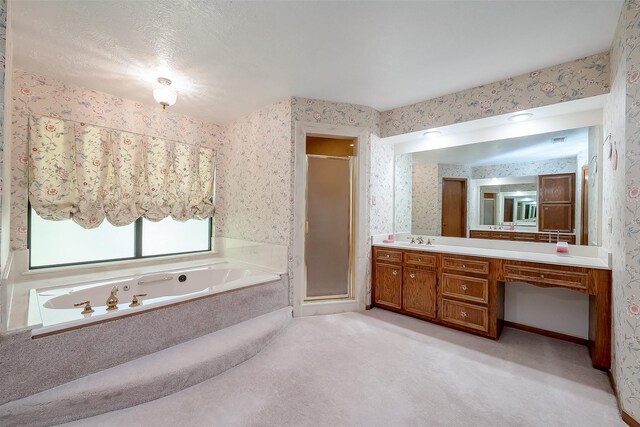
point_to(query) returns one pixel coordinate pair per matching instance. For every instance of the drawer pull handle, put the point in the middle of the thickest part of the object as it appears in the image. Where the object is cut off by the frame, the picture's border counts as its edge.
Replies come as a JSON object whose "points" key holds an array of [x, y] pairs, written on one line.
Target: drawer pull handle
{"points": [[395, 272], [412, 275], [464, 287], [463, 314]]}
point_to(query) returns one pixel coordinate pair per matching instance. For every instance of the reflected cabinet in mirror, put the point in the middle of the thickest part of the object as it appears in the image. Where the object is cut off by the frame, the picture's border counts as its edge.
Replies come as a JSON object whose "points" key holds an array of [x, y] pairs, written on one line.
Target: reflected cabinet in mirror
{"points": [[526, 189]]}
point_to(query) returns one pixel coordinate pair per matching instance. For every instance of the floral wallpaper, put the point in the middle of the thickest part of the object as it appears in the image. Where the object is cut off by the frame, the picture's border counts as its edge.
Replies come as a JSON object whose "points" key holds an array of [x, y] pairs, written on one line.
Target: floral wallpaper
{"points": [[425, 217], [402, 198], [381, 185], [44, 96], [621, 204], [565, 82], [336, 113], [546, 167], [253, 196]]}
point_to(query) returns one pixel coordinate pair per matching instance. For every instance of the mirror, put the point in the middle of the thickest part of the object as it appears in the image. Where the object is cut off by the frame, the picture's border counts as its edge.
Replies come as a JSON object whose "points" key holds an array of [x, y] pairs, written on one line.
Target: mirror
{"points": [[502, 184], [508, 204]]}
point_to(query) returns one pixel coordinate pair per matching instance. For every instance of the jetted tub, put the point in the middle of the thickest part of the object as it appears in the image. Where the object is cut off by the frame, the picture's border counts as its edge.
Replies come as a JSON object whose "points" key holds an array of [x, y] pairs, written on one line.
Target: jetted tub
{"points": [[58, 312]]}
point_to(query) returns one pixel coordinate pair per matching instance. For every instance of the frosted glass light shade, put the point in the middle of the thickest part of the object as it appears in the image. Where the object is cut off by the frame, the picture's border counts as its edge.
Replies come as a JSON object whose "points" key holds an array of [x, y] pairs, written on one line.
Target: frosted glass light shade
{"points": [[165, 95]]}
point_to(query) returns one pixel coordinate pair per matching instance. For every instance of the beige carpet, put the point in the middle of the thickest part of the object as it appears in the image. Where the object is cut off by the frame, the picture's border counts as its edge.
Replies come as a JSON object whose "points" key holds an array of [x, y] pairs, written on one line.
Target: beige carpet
{"points": [[382, 369]]}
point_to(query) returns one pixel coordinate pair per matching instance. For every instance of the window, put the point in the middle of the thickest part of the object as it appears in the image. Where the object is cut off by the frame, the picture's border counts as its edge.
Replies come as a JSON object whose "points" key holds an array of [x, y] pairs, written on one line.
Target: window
{"points": [[56, 243]]}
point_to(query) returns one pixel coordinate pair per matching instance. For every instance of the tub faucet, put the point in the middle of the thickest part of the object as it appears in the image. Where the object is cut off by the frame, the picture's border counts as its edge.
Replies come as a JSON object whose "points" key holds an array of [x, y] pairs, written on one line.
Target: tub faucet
{"points": [[112, 301]]}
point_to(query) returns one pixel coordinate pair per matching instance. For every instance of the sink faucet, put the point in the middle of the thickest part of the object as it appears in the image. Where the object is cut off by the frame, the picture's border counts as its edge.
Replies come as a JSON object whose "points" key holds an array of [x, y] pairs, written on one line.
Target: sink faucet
{"points": [[420, 240], [429, 243], [413, 239], [112, 301]]}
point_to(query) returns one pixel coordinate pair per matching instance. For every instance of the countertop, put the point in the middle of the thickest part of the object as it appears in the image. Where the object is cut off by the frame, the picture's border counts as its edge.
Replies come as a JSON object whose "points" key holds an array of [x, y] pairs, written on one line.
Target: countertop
{"points": [[594, 258]]}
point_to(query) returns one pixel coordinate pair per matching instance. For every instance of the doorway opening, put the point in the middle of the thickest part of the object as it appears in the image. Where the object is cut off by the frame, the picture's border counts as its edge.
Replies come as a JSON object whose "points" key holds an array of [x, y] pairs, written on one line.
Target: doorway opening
{"points": [[454, 207], [329, 223]]}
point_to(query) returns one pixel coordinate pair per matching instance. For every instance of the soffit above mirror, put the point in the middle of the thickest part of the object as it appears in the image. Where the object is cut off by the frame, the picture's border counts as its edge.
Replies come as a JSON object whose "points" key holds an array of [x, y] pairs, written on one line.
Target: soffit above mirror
{"points": [[554, 118]]}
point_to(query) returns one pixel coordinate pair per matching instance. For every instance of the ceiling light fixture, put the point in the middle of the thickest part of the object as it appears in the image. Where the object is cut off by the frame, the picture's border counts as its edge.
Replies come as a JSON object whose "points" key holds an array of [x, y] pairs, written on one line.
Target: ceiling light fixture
{"points": [[520, 117], [164, 94], [432, 133]]}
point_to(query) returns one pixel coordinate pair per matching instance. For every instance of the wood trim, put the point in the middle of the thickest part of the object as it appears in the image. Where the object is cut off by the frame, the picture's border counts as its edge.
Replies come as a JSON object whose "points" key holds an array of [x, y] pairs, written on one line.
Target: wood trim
{"points": [[584, 207], [367, 307], [546, 333], [628, 419]]}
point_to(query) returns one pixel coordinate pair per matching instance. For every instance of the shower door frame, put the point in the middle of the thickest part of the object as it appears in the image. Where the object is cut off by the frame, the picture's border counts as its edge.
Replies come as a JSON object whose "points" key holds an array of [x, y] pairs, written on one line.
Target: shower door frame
{"points": [[360, 223], [350, 160]]}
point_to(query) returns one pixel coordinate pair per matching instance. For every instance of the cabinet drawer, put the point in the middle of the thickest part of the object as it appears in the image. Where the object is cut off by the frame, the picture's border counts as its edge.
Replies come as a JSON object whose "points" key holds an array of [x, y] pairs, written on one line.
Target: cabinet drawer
{"points": [[525, 237], [465, 265], [502, 235], [424, 260], [468, 288], [388, 255], [467, 315], [557, 277], [475, 234]]}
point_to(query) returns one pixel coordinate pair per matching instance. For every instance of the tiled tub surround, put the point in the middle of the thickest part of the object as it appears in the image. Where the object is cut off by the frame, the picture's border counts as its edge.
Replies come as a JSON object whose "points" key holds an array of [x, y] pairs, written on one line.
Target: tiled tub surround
{"points": [[29, 365]]}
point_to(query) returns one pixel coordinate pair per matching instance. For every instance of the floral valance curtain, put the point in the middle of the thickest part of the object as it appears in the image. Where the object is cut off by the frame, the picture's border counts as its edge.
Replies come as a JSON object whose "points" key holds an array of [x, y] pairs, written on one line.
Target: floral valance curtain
{"points": [[88, 173]]}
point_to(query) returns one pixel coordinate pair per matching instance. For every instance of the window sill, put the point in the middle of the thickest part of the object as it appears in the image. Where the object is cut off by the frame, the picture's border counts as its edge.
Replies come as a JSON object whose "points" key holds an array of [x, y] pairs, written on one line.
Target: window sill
{"points": [[24, 274]]}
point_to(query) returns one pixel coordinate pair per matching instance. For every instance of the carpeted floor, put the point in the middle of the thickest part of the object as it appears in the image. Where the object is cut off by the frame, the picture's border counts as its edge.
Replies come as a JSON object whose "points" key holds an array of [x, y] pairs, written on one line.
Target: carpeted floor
{"points": [[382, 369]]}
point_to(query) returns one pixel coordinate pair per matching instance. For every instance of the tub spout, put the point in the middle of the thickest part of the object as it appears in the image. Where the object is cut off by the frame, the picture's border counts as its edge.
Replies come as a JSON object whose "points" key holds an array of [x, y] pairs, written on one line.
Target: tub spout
{"points": [[112, 301]]}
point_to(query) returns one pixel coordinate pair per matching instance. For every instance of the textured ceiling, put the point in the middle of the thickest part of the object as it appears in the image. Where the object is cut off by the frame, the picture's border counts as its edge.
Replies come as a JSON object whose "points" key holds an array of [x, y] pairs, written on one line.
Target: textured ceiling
{"points": [[532, 148], [230, 58]]}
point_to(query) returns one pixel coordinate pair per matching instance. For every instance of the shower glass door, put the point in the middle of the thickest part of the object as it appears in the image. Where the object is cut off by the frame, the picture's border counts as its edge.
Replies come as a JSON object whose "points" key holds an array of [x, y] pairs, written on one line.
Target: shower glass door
{"points": [[328, 242]]}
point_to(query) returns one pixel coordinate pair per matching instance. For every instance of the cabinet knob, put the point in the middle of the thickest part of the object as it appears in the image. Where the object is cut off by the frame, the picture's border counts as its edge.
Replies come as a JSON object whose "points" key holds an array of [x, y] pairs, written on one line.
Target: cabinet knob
{"points": [[395, 272], [463, 314], [464, 287], [387, 255], [419, 259], [542, 276], [464, 266], [412, 275]]}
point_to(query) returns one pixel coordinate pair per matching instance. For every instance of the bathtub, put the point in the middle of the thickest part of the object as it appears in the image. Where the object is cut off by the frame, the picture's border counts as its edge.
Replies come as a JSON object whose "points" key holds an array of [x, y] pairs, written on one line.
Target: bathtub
{"points": [[58, 313]]}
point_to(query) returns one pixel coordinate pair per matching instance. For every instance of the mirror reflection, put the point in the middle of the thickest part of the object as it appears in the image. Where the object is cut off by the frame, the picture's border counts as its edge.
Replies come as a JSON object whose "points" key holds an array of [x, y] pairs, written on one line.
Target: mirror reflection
{"points": [[534, 188]]}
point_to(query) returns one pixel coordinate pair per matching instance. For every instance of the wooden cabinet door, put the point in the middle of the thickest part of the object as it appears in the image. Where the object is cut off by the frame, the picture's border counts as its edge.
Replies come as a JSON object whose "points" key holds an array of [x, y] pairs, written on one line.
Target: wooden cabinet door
{"points": [[556, 202], [419, 292], [388, 286], [556, 217], [559, 188]]}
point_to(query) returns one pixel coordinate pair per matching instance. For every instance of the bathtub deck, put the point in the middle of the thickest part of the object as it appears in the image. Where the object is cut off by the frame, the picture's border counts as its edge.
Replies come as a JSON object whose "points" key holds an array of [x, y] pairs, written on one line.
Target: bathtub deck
{"points": [[149, 377]]}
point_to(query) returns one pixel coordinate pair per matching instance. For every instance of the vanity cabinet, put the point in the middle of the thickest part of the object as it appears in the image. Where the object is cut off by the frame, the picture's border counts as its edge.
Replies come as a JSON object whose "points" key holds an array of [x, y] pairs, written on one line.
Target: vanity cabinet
{"points": [[467, 292], [457, 291], [468, 295], [405, 281], [522, 237]]}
